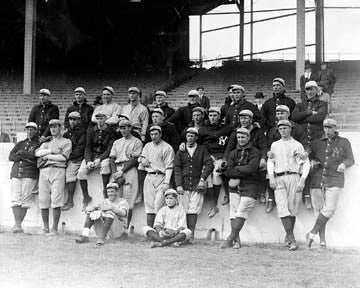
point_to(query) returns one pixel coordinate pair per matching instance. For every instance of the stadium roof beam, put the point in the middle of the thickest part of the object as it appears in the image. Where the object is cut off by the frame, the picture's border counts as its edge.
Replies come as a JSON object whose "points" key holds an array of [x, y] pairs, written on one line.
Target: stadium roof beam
{"points": [[319, 31]]}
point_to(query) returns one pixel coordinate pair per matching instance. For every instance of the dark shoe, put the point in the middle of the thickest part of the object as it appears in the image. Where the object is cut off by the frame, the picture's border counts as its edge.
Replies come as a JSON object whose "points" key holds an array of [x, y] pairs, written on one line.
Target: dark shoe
{"points": [[139, 199], [293, 246], [86, 202], [155, 244], [225, 200], [287, 242], [45, 231], [17, 229], [237, 245], [176, 244], [100, 242], [308, 203], [262, 199], [52, 233], [227, 244], [269, 206], [213, 211], [323, 245], [309, 241], [67, 206], [82, 239]]}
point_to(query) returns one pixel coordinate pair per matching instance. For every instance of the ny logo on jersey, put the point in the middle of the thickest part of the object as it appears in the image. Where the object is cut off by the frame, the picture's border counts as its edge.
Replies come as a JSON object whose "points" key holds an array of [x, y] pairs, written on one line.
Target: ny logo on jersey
{"points": [[223, 140]]}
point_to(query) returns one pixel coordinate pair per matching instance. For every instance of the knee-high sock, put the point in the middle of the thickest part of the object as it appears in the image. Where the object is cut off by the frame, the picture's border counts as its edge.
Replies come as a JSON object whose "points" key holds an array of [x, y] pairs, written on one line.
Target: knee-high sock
{"points": [[153, 236], [84, 188], [150, 218], [287, 223], [322, 233], [270, 192], [45, 218], [71, 190], [141, 178], [293, 221], [17, 214], [129, 217], [56, 218], [177, 238], [105, 179], [216, 193], [88, 222], [236, 226], [23, 213], [320, 221], [225, 181], [107, 225], [191, 220]]}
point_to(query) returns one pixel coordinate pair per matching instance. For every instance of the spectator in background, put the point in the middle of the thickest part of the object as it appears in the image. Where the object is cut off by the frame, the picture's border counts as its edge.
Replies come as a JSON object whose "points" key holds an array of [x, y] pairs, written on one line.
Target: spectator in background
{"points": [[228, 100], [109, 108], [323, 96], [259, 100], [42, 113], [160, 98], [279, 98], [4, 137], [80, 105], [139, 114], [326, 78], [204, 100], [308, 76]]}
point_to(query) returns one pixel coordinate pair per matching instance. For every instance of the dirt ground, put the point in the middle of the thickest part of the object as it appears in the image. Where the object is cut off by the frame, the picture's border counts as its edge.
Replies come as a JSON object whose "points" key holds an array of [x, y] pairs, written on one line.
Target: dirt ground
{"points": [[39, 261]]}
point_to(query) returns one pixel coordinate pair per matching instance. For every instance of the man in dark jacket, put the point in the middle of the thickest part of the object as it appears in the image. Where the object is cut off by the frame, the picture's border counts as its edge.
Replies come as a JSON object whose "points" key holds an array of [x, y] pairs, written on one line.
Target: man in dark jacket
{"points": [[160, 98], [191, 168], [80, 105], [42, 113], [99, 140], [268, 110], [327, 78], [242, 169], [182, 117], [215, 136], [24, 175], [203, 100], [330, 156], [308, 76], [77, 134]]}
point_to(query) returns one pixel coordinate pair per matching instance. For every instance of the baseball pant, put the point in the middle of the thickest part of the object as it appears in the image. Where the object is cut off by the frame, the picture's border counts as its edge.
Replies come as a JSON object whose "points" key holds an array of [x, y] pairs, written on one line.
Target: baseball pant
{"points": [[51, 187], [240, 206], [286, 197], [325, 200], [118, 227], [192, 201], [215, 177], [153, 193], [130, 187], [72, 171], [84, 171], [21, 191], [186, 231]]}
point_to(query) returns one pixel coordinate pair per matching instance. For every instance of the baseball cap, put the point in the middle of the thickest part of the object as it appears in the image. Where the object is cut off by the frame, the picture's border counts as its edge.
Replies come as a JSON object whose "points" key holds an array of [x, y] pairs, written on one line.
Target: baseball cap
{"points": [[279, 80], [124, 123], [193, 93], [215, 109], [112, 186], [192, 130], [80, 89], [329, 123], [237, 87], [284, 123], [246, 112], [109, 88], [157, 110], [199, 109], [160, 92], [311, 84], [100, 114], [54, 122], [259, 95], [283, 108], [134, 89], [155, 127], [243, 131], [31, 125], [74, 114], [171, 192], [44, 91]]}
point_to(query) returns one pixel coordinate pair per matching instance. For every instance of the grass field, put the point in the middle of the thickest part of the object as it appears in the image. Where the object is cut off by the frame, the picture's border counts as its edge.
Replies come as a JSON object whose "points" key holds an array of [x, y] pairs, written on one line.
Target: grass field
{"points": [[39, 261]]}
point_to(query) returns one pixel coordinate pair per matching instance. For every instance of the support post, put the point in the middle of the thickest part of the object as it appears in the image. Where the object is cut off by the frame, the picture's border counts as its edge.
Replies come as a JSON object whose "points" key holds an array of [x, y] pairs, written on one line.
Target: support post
{"points": [[319, 31], [240, 6], [251, 29], [300, 40], [200, 42], [29, 46]]}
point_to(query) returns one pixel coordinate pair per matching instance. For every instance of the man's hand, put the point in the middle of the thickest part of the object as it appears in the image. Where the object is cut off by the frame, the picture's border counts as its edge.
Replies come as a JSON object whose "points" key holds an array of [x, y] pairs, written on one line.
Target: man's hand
{"points": [[145, 162], [165, 186], [182, 147], [256, 124], [143, 138], [118, 174], [95, 215], [105, 207], [314, 112], [19, 152], [42, 139], [201, 184], [300, 186], [90, 165], [262, 164], [97, 163], [56, 151], [272, 182], [180, 190], [341, 168], [270, 155]]}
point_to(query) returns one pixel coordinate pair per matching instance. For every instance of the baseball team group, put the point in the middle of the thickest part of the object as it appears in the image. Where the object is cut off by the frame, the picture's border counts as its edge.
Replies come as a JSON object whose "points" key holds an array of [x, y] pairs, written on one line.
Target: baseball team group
{"points": [[276, 152]]}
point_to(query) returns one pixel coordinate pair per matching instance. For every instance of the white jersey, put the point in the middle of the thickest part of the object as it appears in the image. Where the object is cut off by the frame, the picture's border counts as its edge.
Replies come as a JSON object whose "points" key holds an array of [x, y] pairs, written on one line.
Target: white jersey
{"points": [[171, 218]]}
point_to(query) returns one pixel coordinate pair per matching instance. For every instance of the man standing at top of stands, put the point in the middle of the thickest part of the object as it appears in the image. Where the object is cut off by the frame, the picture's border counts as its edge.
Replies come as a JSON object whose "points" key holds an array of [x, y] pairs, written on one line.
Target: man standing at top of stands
{"points": [[327, 78], [228, 100], [308, 76], [108, 108], [204, 100], [138, 113], [42, 113], [160, 98], [239, 103], [279, 98], [77, 134], [259, 100], [80, 105], [182, 117]]}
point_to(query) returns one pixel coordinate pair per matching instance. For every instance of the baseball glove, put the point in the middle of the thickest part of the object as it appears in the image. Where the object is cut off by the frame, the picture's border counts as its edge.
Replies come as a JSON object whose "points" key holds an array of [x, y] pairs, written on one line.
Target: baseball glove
{"points": [[120, 180], [169, 233]]}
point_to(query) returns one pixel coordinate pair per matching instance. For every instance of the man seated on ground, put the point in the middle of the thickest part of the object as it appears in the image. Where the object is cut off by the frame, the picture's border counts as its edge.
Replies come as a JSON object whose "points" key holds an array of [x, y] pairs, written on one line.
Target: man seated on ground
{"points": [[77, 134], [24, 174], [160, 99], [191, 168], [109, 218], [99, 140], [170, 223], [242, 169]]}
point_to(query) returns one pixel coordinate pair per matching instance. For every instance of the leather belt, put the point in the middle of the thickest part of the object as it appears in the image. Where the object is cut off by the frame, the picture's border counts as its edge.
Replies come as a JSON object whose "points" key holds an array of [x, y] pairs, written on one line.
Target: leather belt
{"points": [[285, 173], [156, 173], [54, 166]]}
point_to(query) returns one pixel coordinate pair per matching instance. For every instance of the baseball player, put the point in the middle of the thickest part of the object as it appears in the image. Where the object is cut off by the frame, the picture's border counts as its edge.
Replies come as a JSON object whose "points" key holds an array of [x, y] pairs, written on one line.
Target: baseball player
{"points": [[77, 134], [242, 169], [191, 168], [288, 160], [24, 174], [109, 108], [330, 156], [138, 113], [198, 115], [99, 140], [215, 136], [160, 99], [157, 159], [170, 223], [203, 99], [108, 218], [125, 153], [53, 156], [80, 105], [42, 113]]}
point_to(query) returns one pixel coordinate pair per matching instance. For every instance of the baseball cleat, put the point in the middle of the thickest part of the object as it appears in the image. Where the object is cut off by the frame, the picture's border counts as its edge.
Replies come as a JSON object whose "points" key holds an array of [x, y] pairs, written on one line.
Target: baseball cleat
{"points": [[100, 242], [323, 245], [225, 200], [308, 203], [52, 233], [67, 206], [309, 240], [227, 244], [270, 206], [213, 211], [262, 199], [293, 246], [17, 229], [175, 244], [155, 244], [82, 239], [237, 245]]}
